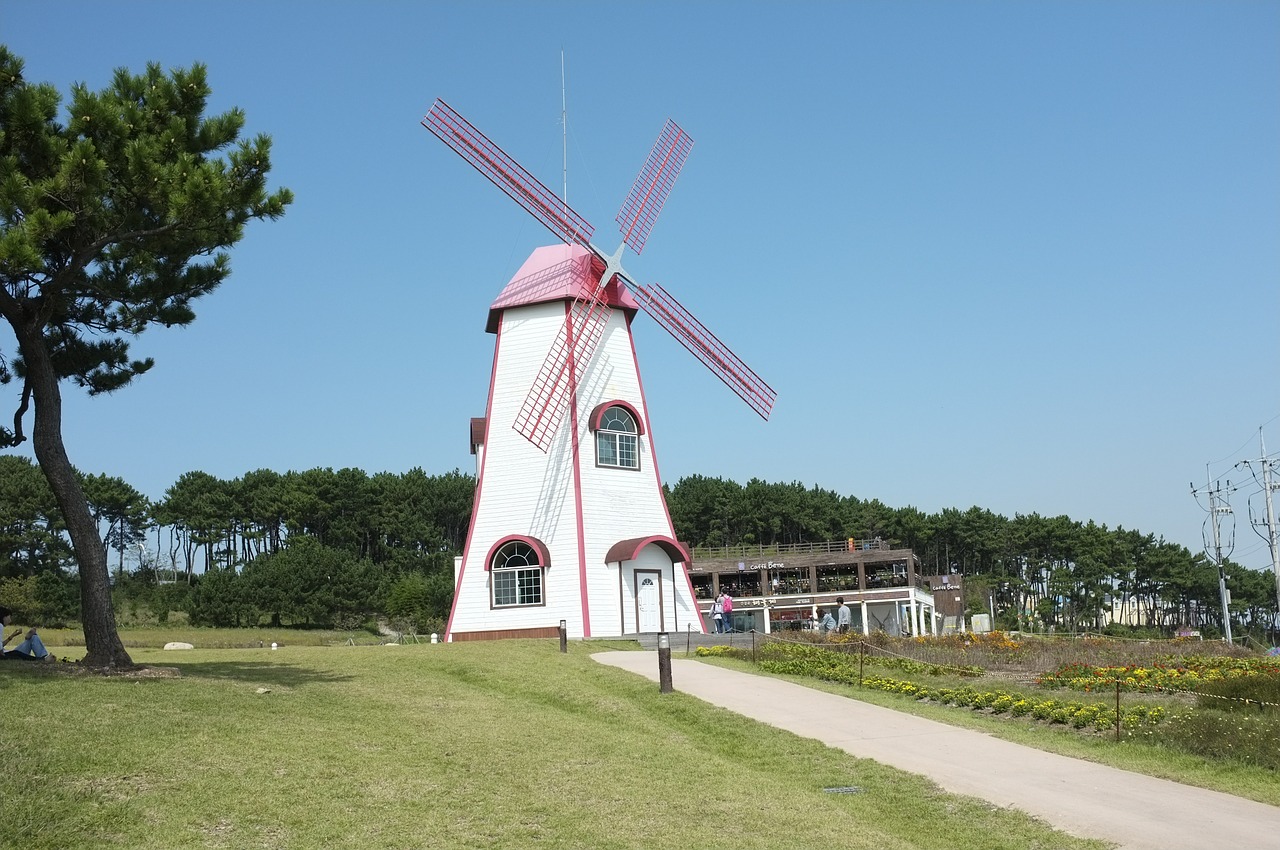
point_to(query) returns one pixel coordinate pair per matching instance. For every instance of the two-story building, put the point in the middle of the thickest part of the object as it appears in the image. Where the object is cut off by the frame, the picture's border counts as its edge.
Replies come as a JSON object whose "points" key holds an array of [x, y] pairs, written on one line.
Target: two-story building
{"points": [[781, 587]]}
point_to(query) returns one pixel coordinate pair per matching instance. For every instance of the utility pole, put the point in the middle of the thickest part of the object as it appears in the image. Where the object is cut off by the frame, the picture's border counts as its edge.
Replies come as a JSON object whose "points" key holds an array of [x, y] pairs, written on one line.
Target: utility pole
{"points": [[1273, 538], [1273, 534], [1218, 505]]}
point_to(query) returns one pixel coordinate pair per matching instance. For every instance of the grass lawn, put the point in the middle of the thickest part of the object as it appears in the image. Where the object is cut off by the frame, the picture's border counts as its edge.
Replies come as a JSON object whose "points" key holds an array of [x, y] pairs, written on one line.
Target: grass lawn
{"points": [[505, 744]]}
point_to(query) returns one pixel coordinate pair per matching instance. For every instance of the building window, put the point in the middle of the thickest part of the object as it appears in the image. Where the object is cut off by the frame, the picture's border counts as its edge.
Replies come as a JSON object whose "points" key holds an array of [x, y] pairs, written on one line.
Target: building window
{"points": [[517, 575], [616, 440]]}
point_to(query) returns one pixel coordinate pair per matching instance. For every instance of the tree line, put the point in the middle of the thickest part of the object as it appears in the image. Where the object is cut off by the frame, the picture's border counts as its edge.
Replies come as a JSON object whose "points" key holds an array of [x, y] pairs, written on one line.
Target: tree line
{"points": [[326, 547], [1034, 571], [319, 547]]}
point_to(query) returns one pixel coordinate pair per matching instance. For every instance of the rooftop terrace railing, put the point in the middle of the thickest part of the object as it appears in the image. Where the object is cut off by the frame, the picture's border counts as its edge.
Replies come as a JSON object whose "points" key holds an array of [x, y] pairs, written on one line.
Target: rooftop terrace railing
{"points": [[759, 550]]}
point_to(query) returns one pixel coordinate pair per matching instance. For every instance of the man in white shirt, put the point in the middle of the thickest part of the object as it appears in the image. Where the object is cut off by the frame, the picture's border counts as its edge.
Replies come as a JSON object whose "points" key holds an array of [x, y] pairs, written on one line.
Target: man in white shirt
{"points": [[844, 618]]}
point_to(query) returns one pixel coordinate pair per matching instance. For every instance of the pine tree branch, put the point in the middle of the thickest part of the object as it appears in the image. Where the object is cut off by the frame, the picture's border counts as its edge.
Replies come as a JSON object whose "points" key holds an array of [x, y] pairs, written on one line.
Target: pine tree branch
{"points": [[18, 437]]}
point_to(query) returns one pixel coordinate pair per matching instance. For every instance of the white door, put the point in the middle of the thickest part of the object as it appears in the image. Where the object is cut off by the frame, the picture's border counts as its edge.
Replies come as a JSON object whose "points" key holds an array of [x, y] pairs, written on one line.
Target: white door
{"points": [[648, 602]]}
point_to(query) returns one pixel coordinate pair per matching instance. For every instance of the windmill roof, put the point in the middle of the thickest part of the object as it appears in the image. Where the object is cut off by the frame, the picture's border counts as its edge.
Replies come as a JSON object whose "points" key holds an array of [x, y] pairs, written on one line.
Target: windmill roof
{"points": [[557, 273]]}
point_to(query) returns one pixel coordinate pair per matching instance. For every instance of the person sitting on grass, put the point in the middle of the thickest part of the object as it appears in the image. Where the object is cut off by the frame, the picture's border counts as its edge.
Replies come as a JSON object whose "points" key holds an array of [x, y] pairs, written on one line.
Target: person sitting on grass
{"points": [[31, 649]]}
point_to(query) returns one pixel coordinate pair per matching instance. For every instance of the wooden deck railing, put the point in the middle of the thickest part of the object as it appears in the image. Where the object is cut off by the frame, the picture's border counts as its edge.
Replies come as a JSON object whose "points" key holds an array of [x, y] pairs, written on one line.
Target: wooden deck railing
{"points": [[760, 551]]}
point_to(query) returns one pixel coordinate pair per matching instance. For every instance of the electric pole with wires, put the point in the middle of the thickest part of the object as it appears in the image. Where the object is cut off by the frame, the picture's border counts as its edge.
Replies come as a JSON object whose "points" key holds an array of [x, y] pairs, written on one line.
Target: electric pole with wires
{"points": [[1265, 475], [1218, 506]]}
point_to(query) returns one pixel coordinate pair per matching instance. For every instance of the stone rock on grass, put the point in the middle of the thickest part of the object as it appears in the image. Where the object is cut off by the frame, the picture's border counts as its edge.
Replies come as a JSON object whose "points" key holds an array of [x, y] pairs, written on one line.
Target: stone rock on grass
{"points": [[178, 644]]}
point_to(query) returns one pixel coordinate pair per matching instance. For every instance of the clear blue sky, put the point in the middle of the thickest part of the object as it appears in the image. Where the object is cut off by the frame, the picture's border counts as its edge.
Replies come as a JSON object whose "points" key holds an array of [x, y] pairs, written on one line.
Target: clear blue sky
{"points": [[1024, 256]]}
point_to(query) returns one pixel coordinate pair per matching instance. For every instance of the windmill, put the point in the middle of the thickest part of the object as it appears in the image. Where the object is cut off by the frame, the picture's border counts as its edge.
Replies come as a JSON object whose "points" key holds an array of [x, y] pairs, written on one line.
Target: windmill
{"points": [[587, 348]]}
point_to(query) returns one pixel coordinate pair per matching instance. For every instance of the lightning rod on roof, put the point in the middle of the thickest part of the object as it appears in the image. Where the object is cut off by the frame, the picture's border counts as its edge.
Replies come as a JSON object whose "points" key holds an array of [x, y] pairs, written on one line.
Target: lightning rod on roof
{"points": [[564, 129]]}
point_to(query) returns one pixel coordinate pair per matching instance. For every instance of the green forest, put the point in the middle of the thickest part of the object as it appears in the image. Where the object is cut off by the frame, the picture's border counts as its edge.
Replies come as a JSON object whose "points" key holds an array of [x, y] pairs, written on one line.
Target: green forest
{"points": [[326, 548]]}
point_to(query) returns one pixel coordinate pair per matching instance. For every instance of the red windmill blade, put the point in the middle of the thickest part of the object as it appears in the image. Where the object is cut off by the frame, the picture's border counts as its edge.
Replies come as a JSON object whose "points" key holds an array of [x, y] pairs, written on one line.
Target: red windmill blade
{"points": [[653, 184], [579, 336], [574, 346], [707, 347], [507, 174]]}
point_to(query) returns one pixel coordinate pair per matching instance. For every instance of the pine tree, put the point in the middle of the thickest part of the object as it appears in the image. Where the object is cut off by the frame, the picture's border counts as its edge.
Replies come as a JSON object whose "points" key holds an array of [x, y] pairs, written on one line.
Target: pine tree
{"points": [[110, 223]]}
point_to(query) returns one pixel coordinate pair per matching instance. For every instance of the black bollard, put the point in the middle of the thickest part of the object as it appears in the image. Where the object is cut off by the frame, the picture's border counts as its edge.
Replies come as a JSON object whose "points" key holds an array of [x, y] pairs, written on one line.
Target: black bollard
{"points": [[664, 663], [564, 637]]}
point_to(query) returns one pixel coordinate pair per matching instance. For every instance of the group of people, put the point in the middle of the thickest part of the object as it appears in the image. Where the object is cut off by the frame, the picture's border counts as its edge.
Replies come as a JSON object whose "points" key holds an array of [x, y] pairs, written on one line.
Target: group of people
{"points": [[32, 647], [825, 623], [721, 611]]}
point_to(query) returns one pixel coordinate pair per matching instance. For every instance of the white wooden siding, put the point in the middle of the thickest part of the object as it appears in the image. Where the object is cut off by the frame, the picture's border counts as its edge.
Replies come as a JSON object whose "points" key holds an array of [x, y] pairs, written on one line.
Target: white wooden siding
{"points": [[523, 491]]}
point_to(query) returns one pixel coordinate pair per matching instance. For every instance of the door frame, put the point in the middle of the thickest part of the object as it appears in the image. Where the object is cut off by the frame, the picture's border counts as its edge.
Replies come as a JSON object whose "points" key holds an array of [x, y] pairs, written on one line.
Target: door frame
{"points": [[636, 576]]}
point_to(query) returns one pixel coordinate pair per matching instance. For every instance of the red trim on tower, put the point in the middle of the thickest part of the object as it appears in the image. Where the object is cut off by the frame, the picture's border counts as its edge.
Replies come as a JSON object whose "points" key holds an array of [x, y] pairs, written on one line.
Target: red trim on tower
{"points": [[575, 452], [657, 480], [475, 503], [593, 424], [544, 554], [628, 550]]}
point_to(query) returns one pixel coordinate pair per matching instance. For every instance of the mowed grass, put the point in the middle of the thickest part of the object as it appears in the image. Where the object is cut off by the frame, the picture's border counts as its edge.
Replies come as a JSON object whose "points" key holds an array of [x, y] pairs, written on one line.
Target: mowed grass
{"points": [[503, 744], [156, 636]]}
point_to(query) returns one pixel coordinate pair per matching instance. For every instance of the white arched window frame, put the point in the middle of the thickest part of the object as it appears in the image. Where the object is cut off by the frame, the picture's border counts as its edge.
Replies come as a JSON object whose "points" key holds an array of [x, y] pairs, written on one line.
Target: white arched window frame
{"points": [[617, 438], [516, 570]]}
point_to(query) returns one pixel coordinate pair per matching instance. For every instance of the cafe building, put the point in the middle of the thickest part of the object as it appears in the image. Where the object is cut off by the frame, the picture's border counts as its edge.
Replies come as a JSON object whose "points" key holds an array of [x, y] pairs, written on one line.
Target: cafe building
{"points": [[779, 588]]}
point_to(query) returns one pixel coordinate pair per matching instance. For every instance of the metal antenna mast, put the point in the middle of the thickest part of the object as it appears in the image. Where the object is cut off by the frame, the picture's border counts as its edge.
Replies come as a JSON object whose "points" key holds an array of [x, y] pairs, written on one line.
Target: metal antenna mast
{"points": [[564, 128]]}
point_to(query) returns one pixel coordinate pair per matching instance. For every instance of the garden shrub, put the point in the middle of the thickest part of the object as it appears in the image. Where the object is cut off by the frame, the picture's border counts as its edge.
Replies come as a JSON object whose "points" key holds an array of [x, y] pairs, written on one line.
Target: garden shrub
{"points": [[1085, 716], [723, 652], [1043, 710]]}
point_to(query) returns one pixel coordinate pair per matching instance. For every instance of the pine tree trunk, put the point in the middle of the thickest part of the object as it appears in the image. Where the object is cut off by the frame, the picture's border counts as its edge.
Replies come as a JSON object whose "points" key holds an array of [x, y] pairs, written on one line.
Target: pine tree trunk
{"points": [[101, 639]]}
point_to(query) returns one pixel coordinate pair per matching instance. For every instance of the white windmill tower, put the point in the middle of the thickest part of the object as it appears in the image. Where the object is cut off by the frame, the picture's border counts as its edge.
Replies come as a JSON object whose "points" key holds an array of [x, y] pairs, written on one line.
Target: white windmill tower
{"points": [[569, 522]]}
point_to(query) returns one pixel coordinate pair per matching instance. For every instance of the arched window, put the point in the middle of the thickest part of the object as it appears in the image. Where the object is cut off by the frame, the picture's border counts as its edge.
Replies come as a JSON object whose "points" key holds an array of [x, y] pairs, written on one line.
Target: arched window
{"points": [[617, 443], [516, 573]]}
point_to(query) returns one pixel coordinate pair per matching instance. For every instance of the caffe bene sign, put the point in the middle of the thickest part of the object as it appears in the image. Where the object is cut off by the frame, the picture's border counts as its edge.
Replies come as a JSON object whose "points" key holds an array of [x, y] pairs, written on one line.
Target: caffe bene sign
{"points": [[763, 565]]}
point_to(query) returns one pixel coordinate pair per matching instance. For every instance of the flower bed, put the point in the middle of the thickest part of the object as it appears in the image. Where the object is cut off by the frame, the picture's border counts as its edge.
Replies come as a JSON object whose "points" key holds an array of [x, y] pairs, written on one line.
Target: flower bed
{"points": [[1180, 674], [839, 658], [1080, 715], [819, 663]]}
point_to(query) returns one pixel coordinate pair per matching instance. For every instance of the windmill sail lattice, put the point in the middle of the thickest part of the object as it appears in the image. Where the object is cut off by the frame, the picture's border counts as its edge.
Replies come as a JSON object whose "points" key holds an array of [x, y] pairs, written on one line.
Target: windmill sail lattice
{"points": [[576, 342], [704, 345], [653, 184], [575, 345], [507, 174]]}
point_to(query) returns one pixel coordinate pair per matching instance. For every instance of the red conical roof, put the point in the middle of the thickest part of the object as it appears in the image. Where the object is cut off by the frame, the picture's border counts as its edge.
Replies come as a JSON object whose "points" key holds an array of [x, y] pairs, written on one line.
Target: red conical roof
{"points": [[557, 273]]}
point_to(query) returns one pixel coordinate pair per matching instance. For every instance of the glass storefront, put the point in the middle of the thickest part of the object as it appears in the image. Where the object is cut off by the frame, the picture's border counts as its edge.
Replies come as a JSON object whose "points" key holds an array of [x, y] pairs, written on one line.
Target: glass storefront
{"points": [[788, 582], [838, 577]]}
